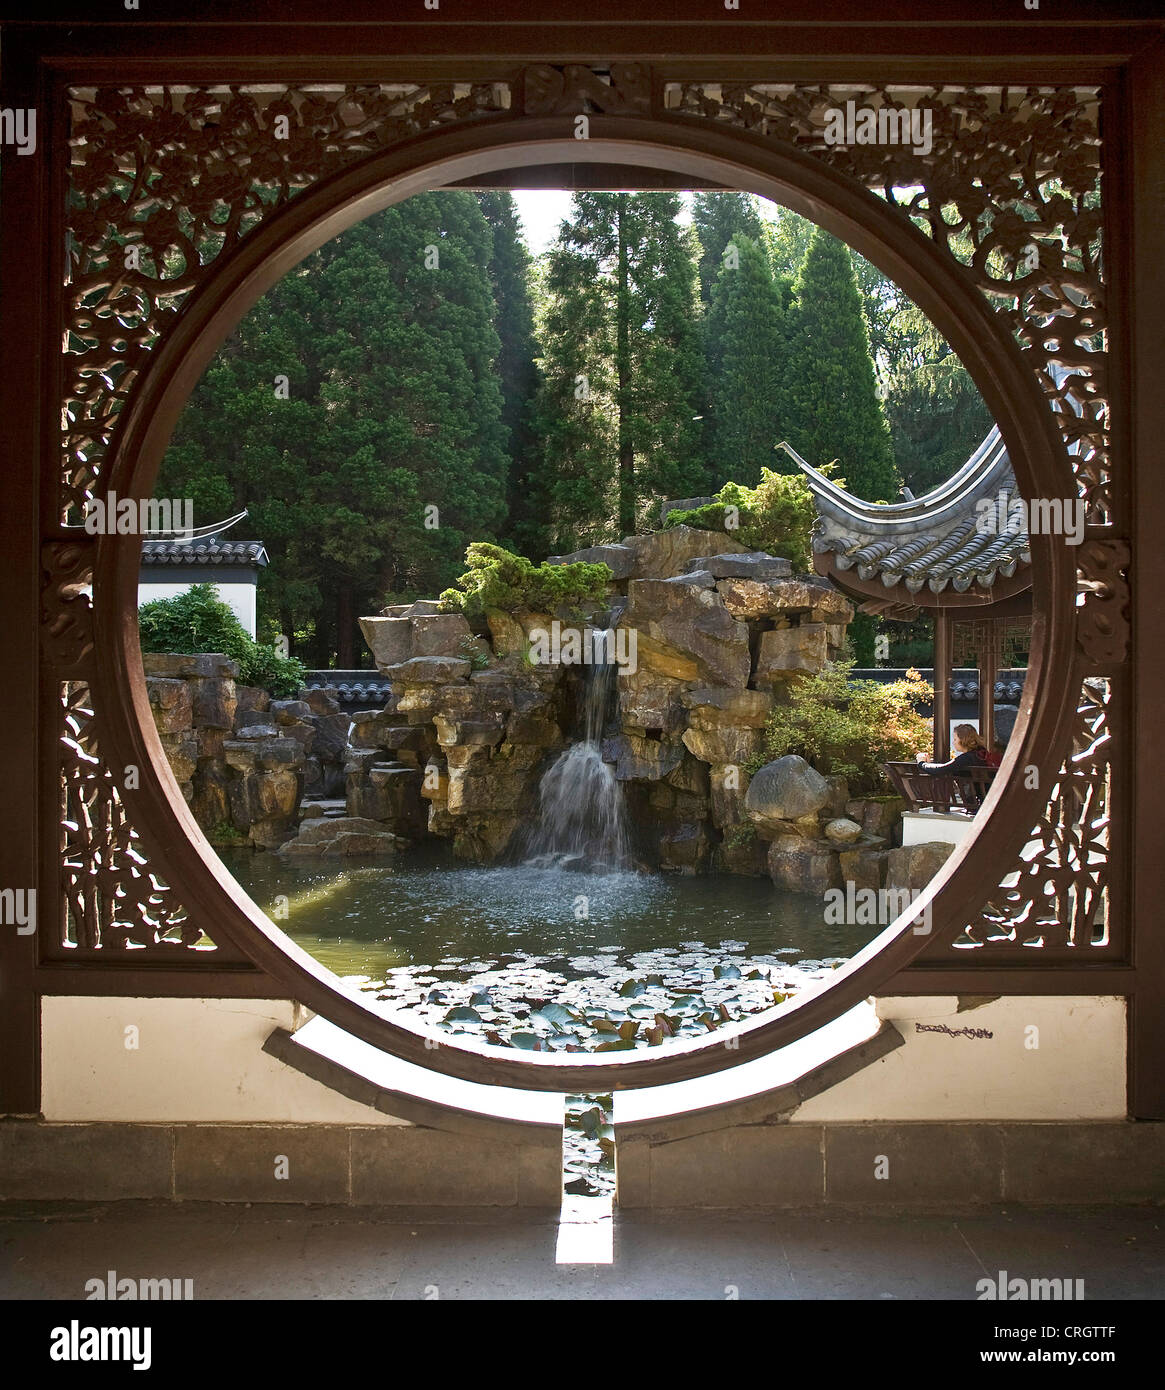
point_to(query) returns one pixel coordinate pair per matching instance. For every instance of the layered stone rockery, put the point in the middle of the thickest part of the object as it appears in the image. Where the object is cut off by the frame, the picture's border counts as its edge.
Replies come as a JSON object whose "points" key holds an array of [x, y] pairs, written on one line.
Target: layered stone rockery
{"points": [[242, 760], [709, 636]]}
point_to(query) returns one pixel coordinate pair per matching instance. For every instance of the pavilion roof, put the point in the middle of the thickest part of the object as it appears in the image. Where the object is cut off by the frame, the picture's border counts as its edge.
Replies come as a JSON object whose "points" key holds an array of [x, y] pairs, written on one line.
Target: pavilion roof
{"points": [[925, 543]]}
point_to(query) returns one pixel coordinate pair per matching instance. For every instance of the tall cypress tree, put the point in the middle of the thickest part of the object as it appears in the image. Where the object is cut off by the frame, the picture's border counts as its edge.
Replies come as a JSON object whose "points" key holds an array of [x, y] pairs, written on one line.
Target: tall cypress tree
{"points": [[387, 458], [718, 218], [510, 275], [745, 350], [832, 409], [621, 365]]}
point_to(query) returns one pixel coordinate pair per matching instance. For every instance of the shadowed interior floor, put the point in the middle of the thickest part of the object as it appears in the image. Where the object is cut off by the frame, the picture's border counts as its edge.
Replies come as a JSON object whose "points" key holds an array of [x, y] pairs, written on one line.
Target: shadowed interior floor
{"points": [[268, 1252]]}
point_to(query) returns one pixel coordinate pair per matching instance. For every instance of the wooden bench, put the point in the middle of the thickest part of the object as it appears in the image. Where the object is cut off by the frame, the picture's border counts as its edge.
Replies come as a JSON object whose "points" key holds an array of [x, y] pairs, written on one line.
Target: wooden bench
{"points": [[940, 791]]}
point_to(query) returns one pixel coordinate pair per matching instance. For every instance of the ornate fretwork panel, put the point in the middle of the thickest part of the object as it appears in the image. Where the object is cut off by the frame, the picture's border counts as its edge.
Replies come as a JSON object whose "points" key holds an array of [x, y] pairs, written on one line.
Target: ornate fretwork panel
{"points": [[1057, 899], [164, 180], [1009, 187], [110, 896]]}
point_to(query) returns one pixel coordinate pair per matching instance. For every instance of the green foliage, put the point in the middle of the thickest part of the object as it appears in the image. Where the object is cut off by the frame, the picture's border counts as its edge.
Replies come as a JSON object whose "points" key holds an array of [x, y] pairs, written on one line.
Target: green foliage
{"points": [[224, 833], [510, 273], [861, 634], [745, 348], [497, 578], [832, 409], [719, 218], [776, 516], [850, 728], [394, 405], [199, 621], [620, 311], [737, 836], [472, 653]]}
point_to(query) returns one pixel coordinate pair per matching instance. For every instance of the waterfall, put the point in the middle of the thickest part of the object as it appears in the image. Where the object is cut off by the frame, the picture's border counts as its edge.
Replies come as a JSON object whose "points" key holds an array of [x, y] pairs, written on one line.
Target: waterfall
{"points": [[582, 821]]}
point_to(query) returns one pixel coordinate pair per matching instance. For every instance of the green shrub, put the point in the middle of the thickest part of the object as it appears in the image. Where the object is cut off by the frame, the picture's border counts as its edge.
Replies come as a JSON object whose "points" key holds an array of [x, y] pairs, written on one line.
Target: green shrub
{"points": [[846, 727], [199, 621], [776, 516], [497, 578]]}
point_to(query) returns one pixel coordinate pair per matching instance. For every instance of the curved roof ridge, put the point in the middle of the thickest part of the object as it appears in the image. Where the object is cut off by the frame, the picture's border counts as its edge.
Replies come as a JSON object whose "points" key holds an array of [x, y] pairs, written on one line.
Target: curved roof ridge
{"points": [[983, 471]]}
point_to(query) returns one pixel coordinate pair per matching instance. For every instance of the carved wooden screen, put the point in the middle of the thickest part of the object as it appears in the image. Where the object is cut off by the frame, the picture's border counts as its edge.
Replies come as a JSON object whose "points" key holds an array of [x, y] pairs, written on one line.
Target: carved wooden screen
{"points": [[166, 181]]}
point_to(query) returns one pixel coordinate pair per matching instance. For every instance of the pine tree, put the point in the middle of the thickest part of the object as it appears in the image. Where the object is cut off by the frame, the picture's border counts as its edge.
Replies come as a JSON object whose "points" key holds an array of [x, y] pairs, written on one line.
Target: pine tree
{"points": [[745, 349], [511, 277], [621, 365], [718, 218], [832, 409], [387, 457]]}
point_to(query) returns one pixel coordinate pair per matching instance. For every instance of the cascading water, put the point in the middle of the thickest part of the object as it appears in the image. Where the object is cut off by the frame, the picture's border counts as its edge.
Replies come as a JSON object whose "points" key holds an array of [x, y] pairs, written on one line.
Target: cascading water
{"points": [[582, 819]]}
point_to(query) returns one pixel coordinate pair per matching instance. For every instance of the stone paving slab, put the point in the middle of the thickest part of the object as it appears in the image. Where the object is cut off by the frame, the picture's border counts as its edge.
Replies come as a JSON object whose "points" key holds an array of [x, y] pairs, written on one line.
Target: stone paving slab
{"points": [[271, 1252]]}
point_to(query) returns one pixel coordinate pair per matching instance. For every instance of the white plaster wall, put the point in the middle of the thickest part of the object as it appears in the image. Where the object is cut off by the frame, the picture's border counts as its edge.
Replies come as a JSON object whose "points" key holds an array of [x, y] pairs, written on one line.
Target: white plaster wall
{"points": [[926, 827], [239, 597], [1076, 1073], [196, 1059]]}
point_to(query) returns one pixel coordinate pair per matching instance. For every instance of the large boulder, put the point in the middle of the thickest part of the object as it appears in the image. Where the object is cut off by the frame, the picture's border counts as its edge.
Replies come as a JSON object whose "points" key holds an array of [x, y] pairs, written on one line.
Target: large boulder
{"points": [[864, 866], [750, 564], [620, 559], [913, 866], [723, 744], [402, 637], [170, 704], [665, 554], [685, 632], [803, 866], [791, 651], [843, 831], [389, 639], [642, 759], [877, 815], [784, 790], [717, 707], [428, 670], [341, 837], [650, 700], [788, 598]]}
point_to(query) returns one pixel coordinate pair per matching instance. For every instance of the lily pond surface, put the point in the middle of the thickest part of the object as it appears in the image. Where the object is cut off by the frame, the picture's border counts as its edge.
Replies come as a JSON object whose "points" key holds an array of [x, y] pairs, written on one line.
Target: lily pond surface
{"points": [[551, 959]]}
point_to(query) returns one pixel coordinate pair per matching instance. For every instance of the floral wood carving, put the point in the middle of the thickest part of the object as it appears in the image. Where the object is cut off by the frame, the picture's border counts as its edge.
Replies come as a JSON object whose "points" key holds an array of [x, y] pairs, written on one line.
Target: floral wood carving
{"points": [[67, 627], [571, 90], [110, 896], [1056, 897], [165, 180], [1102, 615]]}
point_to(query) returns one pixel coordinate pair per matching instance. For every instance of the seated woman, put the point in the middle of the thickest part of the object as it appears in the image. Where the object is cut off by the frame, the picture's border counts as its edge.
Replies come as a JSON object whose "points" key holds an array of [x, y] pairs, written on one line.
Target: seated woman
{"points": [[972, 752]]}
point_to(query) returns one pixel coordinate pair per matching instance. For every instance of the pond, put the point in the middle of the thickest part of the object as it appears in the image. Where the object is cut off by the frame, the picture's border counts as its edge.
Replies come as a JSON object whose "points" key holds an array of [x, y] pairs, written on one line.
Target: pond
{"points": [[550, 959]]}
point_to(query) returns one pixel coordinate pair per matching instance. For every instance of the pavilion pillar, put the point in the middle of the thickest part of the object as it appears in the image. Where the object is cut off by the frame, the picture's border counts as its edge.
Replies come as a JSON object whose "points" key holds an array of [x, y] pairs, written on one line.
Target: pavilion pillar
{"points": [[988, 671], [942, 685]]}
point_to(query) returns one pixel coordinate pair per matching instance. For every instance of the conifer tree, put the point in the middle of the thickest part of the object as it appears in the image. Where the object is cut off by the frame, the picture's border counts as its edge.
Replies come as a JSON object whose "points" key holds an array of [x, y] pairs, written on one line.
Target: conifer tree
{"points": [[386, 457], [511, 277], [832, 410], [745, 350], [717, 219], [621, 366]]}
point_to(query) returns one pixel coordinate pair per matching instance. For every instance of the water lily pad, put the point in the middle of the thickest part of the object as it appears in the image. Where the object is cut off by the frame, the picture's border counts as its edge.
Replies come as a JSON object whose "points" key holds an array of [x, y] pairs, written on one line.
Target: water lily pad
{"points": [[463, 1014], [555, 1014], [621, 1045], [726, 972], [528, 1042], [632, 989]]}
